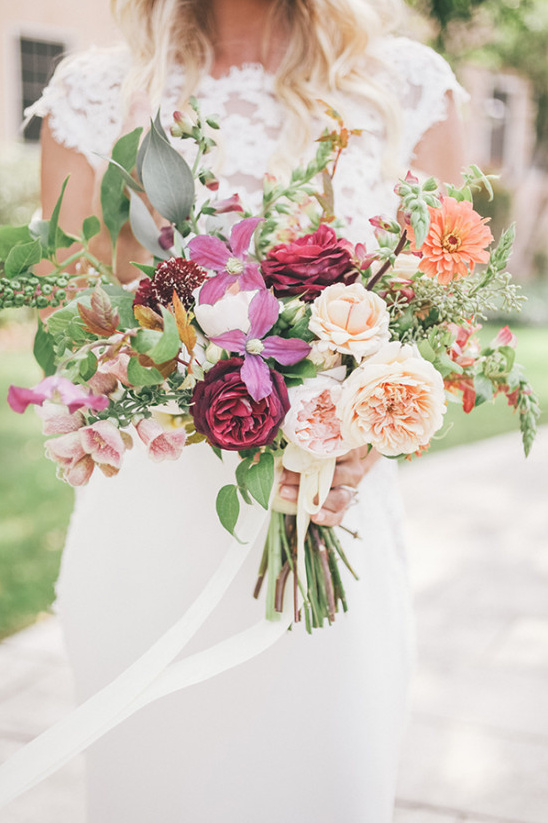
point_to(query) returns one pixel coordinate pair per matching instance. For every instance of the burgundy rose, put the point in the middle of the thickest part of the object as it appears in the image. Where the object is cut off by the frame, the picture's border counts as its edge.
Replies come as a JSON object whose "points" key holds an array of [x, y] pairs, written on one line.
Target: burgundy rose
{"points": [[225, 412], [308, 265]]}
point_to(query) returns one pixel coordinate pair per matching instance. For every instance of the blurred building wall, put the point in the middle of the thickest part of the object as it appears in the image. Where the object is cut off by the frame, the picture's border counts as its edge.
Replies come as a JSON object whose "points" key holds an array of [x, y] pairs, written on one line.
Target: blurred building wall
{"points": [[39, 28]]}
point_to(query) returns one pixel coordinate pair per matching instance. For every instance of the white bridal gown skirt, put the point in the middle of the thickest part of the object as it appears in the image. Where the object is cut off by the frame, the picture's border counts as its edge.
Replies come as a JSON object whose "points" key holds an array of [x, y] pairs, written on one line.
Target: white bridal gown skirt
{"points": [[307, 732]]}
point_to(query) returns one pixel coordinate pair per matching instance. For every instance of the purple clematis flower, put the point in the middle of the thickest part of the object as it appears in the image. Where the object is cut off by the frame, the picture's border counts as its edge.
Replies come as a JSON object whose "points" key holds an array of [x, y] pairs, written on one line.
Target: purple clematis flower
{"points": [[58, 389], [229, 260], [255, 347]]}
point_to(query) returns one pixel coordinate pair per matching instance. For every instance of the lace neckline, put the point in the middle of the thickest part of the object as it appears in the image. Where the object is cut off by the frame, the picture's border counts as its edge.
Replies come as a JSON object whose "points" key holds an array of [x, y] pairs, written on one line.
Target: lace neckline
{"points": [[252, 74]]}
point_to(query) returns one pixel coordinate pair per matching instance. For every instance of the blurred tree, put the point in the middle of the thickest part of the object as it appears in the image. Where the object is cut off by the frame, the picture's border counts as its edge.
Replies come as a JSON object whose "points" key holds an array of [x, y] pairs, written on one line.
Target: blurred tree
{"points": [[444, 12], [500, 34]]}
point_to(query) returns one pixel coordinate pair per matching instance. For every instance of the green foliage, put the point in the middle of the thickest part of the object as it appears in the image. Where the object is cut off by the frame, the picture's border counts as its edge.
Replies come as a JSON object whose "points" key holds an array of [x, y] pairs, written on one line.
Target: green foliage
{"points": [[114, 203], [228, 507], [167, 178]]}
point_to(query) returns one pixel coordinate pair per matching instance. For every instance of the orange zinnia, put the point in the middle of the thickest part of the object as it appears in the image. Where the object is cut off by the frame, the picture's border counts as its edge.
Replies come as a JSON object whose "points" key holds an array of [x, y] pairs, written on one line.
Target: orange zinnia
{"points": [[457, 239]]}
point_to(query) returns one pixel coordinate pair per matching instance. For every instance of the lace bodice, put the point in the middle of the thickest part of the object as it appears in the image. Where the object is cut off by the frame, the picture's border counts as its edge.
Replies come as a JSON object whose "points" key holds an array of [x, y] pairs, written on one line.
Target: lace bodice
{"points": [[84, 103]]}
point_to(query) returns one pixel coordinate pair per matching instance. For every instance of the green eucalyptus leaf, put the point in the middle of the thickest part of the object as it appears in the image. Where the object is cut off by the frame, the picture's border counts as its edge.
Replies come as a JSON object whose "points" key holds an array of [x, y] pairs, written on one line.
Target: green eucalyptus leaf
{"points": [[228, 507], [22, 257], [144, 229], [167, 179]]}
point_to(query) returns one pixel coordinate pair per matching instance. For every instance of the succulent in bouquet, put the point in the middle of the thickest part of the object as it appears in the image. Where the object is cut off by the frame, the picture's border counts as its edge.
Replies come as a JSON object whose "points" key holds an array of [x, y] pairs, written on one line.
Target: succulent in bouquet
{"points": [[267, 334]]}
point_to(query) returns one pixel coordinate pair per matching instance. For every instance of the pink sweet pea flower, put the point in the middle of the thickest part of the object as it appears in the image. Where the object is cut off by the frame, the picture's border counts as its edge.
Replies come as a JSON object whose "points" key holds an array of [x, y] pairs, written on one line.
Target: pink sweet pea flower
{"points": [[161, 444], [255, 347], [504, 338], [58, 389], [229, 260]]}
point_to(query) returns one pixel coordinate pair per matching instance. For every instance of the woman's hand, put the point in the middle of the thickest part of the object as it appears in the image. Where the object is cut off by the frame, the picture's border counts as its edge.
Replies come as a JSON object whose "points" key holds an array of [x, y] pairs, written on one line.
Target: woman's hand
{"points": [[349, 471]]}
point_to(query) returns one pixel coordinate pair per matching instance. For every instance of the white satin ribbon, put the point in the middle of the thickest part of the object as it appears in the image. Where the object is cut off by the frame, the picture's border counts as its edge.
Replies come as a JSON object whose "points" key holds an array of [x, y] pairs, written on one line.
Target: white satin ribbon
{"points": [[154, 674], [150, 677], [316, 477]]}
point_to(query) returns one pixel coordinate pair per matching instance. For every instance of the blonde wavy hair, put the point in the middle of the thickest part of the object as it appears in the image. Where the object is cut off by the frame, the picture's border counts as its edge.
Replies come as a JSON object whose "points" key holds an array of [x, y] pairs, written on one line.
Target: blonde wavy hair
{"points": [[324, 58]]}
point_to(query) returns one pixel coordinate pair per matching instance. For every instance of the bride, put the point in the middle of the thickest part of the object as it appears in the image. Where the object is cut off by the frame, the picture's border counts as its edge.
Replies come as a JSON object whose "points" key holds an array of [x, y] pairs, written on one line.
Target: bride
{"points": [[308, 732]]}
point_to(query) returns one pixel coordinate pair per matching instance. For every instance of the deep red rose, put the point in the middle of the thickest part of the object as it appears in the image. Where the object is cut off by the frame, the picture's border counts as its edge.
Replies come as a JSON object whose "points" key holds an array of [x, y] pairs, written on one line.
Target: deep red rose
{"points": [[230, 419], [308, 265]]}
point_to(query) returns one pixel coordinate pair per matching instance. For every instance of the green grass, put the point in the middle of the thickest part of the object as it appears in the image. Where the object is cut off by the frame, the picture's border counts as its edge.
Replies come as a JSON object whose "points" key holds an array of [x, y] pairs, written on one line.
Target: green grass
{"points": [[35, 506]]}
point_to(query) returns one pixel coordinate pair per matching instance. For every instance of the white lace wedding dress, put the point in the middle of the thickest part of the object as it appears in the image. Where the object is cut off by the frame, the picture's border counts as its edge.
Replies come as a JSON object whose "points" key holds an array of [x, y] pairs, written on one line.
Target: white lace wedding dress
{"points": [[308, 732]]}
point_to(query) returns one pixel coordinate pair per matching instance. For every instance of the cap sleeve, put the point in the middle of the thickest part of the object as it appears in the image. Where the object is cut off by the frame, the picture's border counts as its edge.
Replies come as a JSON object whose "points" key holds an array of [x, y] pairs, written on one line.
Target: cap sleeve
{"points": [[83, 101], [423, 79]]}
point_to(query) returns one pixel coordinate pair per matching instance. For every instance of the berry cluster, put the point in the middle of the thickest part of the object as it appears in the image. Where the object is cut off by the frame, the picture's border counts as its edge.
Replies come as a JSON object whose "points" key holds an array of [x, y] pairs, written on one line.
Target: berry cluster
{"points": [[30, 290]]}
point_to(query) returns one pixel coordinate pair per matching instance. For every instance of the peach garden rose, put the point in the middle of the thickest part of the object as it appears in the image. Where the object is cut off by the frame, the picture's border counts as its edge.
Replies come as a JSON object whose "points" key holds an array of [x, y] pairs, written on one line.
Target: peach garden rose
{"points": [[394, 401], [350, 320]]}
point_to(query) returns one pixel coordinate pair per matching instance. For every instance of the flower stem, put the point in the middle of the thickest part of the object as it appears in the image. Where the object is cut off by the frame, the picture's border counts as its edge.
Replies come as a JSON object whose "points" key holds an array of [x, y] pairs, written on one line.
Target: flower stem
{"points": [[387, 263]]}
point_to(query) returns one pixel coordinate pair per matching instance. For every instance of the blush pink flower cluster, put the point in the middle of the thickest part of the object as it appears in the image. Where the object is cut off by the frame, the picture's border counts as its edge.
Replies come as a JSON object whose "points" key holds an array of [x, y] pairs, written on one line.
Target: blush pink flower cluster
{"points": [[312, 421], [81, 448]]}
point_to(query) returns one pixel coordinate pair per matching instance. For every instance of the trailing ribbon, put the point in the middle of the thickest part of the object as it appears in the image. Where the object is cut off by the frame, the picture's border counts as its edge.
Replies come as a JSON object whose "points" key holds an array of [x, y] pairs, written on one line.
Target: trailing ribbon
{"points": [[154, 674], [316, 476], [148, 678]]}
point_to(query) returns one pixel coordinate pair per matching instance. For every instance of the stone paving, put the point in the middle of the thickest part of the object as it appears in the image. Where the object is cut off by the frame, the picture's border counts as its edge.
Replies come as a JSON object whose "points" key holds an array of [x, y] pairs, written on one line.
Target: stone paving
{"points": [[476, 748]]}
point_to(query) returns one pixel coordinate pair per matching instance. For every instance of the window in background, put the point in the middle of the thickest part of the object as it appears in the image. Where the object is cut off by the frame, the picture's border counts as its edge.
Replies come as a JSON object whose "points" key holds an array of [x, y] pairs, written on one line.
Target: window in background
{"points": [[37, 60]]}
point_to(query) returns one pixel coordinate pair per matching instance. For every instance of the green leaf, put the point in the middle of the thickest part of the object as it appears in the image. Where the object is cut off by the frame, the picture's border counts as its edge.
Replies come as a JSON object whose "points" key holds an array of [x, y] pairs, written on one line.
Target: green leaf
{"points": [[141, 376], [241, 472], [143, 148], [54, 219], [169, 344], [426, 350], [90, 227], [301, 370], [148, 270], [125, 175], [167, 179], [11, 236], [44, 349], [145, 340], [39, 229], [114, 203], [88, 366], [22, 257], [484, 389], [228, 507], [260, 479], [144, 229]]}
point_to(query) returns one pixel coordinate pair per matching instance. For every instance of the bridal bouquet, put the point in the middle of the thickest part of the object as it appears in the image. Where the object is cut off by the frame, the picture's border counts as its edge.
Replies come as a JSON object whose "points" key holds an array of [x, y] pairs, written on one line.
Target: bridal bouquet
{"points": [[266, 334]]}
